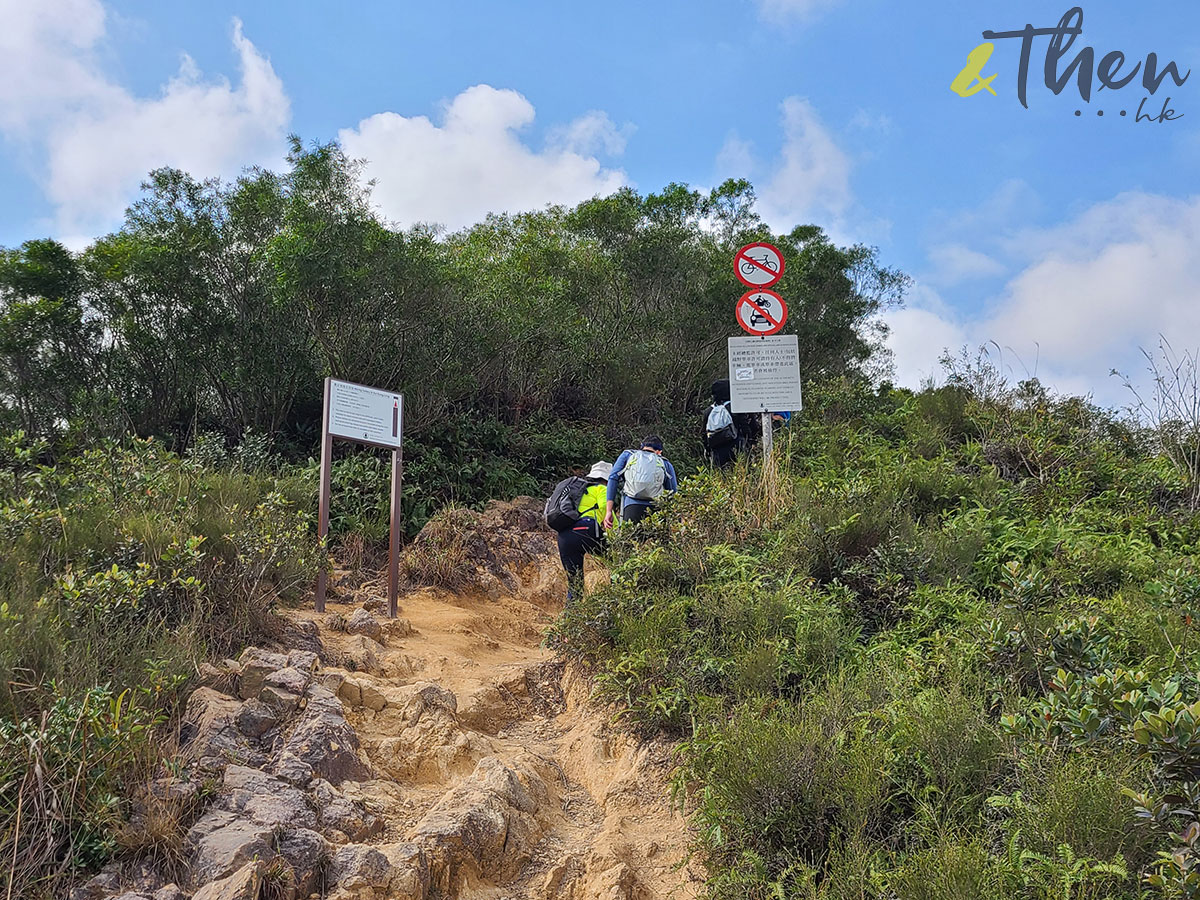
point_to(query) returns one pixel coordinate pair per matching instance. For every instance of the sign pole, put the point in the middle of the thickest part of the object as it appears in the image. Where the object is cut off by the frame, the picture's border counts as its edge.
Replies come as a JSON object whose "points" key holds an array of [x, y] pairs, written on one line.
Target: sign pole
{"points": [[394, 542], [323, 497], [768, 436]]}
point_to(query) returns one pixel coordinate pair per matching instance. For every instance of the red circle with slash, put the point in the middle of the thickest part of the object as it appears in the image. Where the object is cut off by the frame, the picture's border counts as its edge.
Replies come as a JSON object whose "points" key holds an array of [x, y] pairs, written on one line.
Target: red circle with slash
{"points": [[758, 265], [761, 312]]}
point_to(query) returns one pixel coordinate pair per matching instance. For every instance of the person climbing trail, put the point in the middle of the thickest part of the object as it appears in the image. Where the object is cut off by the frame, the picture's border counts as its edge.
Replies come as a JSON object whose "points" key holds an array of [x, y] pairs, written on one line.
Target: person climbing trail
{"points": [[726, 434], [575, 511], [645, 474]]}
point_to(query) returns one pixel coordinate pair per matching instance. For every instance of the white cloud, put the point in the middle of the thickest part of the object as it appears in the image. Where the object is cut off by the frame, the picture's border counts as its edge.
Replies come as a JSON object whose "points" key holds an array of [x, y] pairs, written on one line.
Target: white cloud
{"points": [[475, 162], [956, 263], [1090, 293], [99, 140], [735, 159], [810, 180], [790, 10], [591, 133]]}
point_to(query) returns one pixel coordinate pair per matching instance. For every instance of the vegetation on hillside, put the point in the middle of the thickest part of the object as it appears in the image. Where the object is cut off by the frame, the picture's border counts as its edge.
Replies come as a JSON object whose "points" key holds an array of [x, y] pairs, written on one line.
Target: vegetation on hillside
{"points": [[946, 647], [220, 307]]}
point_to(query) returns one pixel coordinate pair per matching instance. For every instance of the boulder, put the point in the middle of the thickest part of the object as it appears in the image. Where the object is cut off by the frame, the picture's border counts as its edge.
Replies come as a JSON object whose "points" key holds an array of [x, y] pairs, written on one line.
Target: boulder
{"points": [[170, 892], [256, 718], [396, 871], [323, 742], [106, 884], [266, 800], [338, 813], [306, 852], [241, 885], [209, 733], [256, 665], [362, 622], [223, 842], [362, 654], [304, 660], [483, 828]]}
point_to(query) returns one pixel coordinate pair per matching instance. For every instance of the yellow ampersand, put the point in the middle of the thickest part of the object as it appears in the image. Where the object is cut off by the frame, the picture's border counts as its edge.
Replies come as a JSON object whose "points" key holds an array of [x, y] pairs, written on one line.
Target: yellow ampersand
{"points": [[969, 83]]}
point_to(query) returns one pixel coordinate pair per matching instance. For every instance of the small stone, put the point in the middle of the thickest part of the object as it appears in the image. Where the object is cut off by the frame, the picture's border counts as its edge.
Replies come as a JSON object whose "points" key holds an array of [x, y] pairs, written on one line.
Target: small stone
{"points": [[304, 660], [256, 718], [170, 892], [241, 885], [257, 664], [362, 622]]}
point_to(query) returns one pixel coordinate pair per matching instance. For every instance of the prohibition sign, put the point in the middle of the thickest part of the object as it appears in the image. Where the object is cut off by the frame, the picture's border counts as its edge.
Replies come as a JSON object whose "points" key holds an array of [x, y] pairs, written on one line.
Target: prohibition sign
{"points": [[758, 265], [761, 312]]}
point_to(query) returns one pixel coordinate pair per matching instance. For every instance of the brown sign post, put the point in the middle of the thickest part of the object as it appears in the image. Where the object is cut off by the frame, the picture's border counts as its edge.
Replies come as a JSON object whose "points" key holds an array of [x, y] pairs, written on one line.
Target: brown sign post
{"points": [[365, 415]]}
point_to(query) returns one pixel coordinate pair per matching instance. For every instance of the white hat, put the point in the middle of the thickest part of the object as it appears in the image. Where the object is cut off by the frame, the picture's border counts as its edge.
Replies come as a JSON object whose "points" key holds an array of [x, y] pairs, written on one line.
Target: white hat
{"points": [[601, 469]]}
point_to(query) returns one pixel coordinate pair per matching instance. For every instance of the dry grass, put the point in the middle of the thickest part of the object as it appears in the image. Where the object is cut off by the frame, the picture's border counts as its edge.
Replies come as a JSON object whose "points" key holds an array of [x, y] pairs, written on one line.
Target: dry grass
{"points": [[439, 556]]}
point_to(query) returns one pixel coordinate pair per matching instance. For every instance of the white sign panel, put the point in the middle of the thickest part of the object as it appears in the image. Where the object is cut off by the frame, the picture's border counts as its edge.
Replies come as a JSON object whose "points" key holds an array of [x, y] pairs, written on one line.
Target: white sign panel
{"points": [[365, 414], [764, 374]]}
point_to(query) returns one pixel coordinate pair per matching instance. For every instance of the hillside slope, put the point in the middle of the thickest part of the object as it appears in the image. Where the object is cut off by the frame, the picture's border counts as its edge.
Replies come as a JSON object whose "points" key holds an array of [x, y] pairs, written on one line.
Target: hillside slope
{"points": [[444, 754]]}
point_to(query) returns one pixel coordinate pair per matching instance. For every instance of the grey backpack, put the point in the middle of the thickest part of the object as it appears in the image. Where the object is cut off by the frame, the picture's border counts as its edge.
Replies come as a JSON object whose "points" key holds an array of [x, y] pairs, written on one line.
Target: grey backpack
{"points": [[645, 473]]}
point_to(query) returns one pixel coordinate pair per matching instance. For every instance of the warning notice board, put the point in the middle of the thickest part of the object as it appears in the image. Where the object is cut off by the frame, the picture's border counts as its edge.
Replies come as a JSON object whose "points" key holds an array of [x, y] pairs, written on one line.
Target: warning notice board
{"points": [[764, 374], [365, 414]]}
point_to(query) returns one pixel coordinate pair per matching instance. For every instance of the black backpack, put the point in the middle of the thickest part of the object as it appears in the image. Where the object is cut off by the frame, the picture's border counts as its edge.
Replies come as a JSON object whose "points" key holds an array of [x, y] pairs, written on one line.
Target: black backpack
{"points": [[562, 509]]}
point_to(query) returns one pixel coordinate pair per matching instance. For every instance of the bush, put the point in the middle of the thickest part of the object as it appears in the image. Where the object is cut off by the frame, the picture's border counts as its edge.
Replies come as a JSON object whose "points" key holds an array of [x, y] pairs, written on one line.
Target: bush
{"points": [[126, 568]]}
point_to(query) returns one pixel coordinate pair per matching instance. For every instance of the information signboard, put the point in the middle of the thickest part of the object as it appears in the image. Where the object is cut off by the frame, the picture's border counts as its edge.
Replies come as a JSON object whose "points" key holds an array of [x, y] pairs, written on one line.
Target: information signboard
{"points": [[764, 374], [364, 414]]}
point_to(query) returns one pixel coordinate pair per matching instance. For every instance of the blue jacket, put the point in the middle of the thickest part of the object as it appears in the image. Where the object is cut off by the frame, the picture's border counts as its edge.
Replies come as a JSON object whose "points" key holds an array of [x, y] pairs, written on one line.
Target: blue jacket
{"points": [[670, 482]]}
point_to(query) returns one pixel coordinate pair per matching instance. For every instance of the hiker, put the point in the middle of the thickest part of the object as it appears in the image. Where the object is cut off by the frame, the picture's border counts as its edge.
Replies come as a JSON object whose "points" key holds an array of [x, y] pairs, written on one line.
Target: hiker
{"points": [[726, 434], [575, 510], [646, 475]]}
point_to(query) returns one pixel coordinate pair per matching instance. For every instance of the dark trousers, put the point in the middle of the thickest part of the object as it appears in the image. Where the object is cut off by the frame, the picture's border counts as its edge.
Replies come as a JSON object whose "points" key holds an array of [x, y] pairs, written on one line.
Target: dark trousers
{"points": [[635, 512], [586, 537], [723, 457]]}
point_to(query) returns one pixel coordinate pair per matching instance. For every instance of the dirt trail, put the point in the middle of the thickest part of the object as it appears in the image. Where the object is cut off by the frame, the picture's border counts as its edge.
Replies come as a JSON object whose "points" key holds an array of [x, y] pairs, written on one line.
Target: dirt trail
{"points": [[462, 677]]}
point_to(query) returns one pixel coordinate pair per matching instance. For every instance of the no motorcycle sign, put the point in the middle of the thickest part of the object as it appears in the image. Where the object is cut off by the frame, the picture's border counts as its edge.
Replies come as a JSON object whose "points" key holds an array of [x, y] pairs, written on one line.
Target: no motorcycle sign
{"points": [[761, 312]]}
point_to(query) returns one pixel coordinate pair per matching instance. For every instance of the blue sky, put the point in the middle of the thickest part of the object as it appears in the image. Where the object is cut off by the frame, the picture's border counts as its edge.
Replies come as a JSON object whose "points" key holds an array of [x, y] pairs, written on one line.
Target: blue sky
{"points": [[1068, 240]]}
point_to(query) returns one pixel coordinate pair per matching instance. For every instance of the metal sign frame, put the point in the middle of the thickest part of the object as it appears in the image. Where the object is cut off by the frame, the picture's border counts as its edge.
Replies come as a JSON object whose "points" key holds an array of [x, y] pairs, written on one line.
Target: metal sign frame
{"points": [[397, 483]]}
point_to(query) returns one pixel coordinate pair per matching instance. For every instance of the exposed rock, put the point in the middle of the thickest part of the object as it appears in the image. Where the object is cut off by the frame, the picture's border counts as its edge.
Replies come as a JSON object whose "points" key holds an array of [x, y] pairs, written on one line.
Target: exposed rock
{"points": [[338, 813], [290, 679], [428, 742], [257, 664], [106, 884], [362, 622], [398, 628], [302, 635], [283, 701], [361, 654], [209, 733], [322, 741], [170, 892], [222, 843], [266, 800], [397, 871], [304, 660], [362, 692], [241, 885], [256, 718], [307, 853], [484, 828]]}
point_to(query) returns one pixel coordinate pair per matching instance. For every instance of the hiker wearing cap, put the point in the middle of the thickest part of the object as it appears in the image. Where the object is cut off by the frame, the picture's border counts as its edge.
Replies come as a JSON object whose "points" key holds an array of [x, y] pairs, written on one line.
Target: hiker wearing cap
{"points": [[575, 510], [646, 475]]}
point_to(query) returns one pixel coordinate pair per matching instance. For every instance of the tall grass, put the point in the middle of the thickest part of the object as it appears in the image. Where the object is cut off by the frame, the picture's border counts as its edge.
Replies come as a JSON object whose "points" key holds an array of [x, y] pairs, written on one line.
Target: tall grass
{"points": [[942, 645], [125, 567]]}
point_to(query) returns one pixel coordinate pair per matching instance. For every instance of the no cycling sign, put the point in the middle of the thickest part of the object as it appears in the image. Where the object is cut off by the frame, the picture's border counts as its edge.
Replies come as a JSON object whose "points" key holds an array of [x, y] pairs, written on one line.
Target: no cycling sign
{"points": [[759, 312]]}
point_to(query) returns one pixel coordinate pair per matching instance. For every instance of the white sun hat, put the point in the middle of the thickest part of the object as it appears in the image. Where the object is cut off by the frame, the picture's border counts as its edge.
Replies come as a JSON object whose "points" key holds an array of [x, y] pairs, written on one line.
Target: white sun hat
{"points": [[601, 469]]}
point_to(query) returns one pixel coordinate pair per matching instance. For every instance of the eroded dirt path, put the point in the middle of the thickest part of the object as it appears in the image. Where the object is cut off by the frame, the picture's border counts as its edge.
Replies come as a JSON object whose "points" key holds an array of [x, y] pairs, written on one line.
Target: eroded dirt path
{"points": [[459, 688]]}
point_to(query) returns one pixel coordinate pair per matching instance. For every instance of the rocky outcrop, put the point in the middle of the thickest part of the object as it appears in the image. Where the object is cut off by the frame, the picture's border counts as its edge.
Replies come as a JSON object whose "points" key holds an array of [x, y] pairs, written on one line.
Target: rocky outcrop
{"points": [[442, 762]]}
